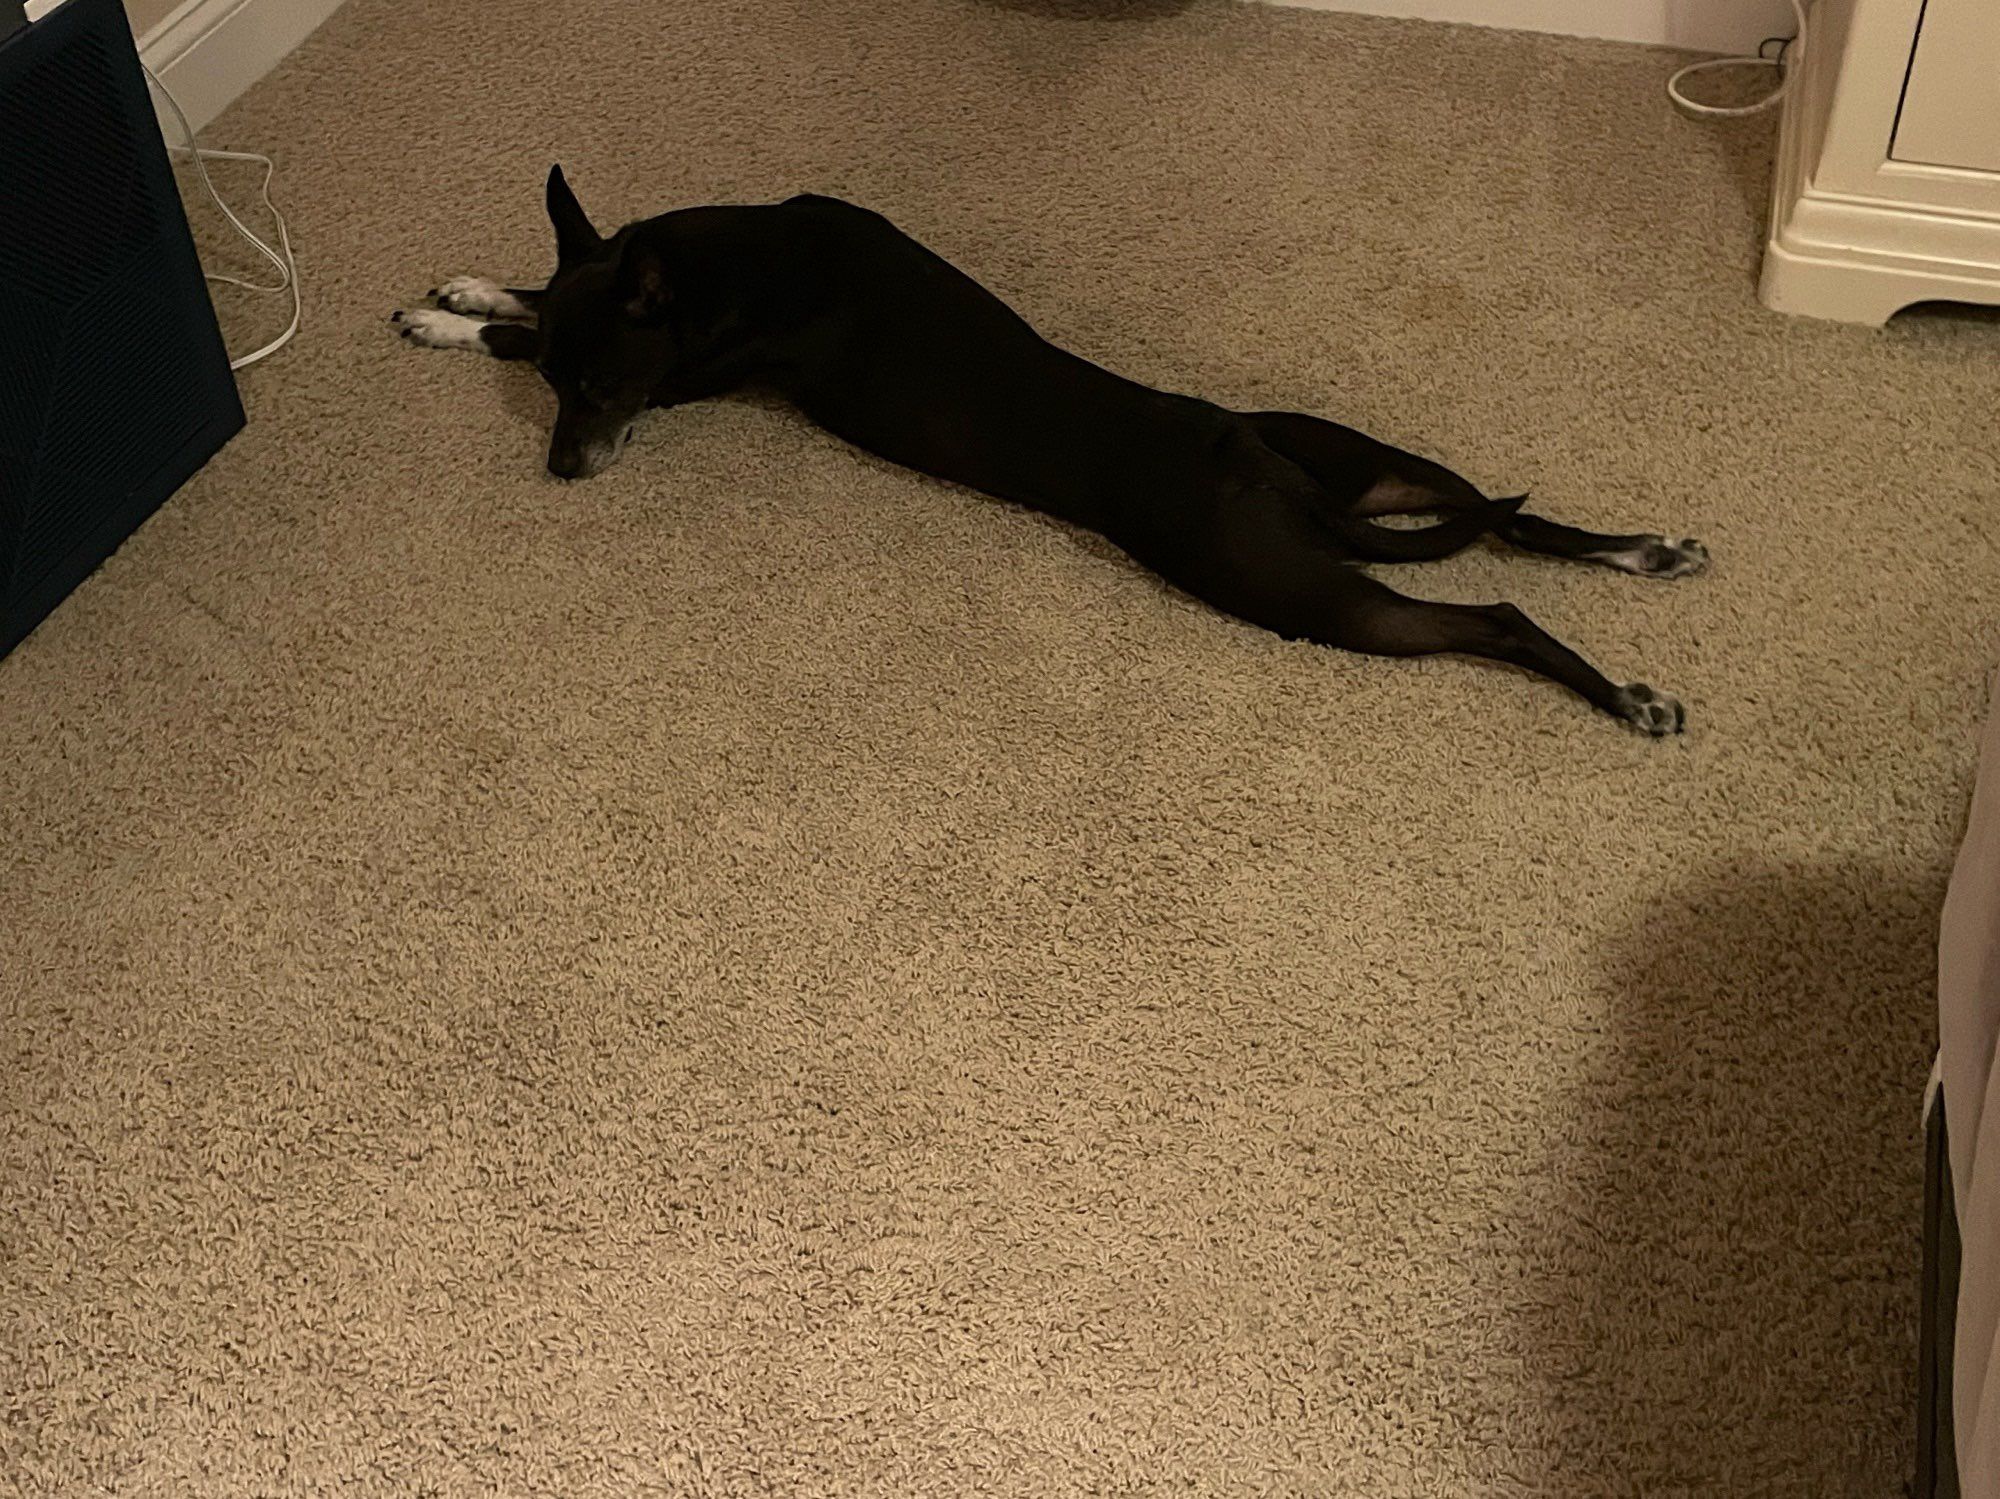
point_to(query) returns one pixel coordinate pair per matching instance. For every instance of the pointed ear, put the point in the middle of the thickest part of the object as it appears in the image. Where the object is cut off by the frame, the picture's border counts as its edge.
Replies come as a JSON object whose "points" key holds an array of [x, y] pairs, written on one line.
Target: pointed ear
{"points": [[643, 284], [576, 240]]}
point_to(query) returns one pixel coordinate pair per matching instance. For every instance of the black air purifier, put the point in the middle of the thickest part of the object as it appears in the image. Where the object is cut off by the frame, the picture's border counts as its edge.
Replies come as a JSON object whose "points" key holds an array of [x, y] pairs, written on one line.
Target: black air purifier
{"points": [[114, 385]]}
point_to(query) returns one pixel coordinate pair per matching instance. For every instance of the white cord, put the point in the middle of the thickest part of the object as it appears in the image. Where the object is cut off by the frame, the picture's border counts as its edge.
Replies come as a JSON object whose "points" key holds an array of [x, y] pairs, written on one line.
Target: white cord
{"points": [[1786, 62], [281, 258]]}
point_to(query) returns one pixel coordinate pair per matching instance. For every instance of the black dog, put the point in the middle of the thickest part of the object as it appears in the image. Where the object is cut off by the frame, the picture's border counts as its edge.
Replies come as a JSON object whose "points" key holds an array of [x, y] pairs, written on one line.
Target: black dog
{"points": [[1261, 514]]}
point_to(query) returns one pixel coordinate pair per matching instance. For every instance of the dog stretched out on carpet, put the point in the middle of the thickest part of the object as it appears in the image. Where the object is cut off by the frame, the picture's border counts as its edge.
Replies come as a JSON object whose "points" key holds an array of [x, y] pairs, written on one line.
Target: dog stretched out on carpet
{"points": [[1264, 515]]}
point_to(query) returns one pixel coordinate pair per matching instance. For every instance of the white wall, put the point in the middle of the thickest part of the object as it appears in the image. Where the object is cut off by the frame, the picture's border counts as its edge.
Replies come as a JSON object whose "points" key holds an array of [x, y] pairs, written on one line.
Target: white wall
{"points": [[1702, 25], [211, 50]]}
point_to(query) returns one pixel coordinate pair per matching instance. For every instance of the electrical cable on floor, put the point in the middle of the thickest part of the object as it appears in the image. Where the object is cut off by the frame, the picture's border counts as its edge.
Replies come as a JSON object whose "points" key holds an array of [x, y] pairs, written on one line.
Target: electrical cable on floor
{"points": [[280, 258], [1790, 55]]}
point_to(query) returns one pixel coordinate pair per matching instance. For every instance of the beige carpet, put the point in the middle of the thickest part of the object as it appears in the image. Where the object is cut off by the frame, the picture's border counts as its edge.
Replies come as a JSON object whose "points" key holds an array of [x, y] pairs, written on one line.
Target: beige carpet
{"points": [[765, 975]]}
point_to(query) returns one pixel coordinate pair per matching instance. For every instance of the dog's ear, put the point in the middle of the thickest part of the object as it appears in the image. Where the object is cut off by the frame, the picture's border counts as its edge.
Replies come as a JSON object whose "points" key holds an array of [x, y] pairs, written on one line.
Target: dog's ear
{"points": [[576, 240], [643, 284]]}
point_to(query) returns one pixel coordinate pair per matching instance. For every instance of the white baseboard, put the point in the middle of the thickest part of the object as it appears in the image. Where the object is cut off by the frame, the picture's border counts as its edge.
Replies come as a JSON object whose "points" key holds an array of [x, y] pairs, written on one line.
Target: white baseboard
{"points": [[209, 51], [1733, 26]]}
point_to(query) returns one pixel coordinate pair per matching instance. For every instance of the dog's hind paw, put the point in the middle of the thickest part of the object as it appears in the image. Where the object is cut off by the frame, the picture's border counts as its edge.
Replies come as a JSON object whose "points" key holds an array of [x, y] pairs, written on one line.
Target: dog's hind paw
{"points": [[1649, 711], [1659, 557], [480, 297]]}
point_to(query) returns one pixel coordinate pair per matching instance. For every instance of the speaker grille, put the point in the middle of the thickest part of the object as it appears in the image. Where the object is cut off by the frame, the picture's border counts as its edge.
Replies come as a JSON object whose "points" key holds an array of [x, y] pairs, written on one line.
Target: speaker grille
{"points": [[71, 177], [115, 386], [120, 356]]}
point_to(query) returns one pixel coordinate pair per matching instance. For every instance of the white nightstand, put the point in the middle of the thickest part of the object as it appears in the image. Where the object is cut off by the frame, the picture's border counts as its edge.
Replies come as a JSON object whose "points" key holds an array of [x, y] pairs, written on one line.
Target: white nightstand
{"points": [[1888, 179]]}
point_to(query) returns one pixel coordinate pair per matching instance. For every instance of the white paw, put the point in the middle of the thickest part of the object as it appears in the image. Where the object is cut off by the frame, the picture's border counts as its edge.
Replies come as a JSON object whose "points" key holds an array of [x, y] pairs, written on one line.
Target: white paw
{"points": [[483, 298], [1649, 711], [439, 330], [1660, 557]]}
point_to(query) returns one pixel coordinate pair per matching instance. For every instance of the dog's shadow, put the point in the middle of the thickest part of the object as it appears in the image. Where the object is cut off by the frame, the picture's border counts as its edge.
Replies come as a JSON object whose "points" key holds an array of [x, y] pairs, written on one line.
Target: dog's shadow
{"points": [[524, 396], [1720, 1258], [527, 401]]}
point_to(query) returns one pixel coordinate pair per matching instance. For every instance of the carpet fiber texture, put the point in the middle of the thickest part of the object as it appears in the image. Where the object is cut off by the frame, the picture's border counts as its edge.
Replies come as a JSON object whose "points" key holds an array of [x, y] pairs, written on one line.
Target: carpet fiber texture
{"points": [[762, 974]]}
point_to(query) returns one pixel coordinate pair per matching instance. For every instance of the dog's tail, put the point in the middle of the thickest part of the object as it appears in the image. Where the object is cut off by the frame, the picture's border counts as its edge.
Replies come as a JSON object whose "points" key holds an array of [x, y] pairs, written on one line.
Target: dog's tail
{"points": [[1372, 543]]}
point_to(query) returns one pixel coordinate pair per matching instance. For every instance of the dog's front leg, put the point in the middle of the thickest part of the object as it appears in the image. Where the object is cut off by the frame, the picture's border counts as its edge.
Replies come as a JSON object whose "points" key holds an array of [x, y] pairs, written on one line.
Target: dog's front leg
{"points": [[464, 304], [434, 328], [484, 298]]}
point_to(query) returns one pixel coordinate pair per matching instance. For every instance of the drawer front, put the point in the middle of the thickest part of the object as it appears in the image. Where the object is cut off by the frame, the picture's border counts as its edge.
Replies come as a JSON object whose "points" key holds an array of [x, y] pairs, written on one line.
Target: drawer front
{"points": [[1951, 106]]}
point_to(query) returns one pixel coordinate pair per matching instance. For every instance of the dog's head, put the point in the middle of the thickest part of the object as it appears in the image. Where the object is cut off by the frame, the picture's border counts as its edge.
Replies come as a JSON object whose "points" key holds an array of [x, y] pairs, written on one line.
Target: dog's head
{"points": [[606, 334]]}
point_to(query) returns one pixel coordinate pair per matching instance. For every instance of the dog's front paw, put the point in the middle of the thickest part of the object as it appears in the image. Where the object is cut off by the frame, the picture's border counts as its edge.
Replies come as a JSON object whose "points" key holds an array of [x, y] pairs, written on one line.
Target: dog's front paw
{"points": [[1649, 711], [1662, 557], [438, 330], [480, 297]]}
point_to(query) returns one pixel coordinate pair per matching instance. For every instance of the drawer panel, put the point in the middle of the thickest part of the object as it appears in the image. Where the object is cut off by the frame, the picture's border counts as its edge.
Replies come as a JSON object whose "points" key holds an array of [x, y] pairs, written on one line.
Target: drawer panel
{"points": [[1951, 106]]}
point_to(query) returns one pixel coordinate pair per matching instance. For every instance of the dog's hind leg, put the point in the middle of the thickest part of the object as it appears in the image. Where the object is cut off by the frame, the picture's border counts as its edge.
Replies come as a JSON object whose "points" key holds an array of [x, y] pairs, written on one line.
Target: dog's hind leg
{"points": [[1645, 556], [484, 298], [1357, 613], [1376, 479], [1414, 485]]}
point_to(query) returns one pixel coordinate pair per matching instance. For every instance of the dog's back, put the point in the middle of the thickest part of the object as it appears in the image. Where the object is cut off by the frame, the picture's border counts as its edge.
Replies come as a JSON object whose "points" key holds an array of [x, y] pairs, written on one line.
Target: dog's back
{"points": [[899, 352]]}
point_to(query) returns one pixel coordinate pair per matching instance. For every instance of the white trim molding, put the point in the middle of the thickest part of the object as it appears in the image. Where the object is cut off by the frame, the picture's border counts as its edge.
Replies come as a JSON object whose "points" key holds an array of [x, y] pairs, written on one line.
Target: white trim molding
{"points": [[210, 51], [1732, 26]]}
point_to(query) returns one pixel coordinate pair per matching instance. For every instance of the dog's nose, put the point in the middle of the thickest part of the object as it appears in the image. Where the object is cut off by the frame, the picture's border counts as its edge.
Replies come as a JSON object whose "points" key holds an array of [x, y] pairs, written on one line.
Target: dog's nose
{"points": [[566, 464]]}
